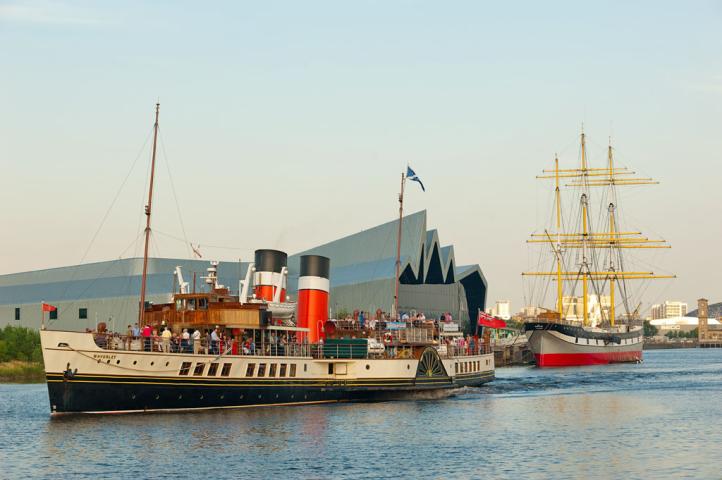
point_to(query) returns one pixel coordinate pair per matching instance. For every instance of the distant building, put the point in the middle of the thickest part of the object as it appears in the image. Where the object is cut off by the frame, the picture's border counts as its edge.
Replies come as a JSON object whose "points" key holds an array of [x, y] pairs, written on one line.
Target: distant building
{"points": [[669, 309], [709, 332], [530, 312], [597, 308], [502, 309], [681, 324]]}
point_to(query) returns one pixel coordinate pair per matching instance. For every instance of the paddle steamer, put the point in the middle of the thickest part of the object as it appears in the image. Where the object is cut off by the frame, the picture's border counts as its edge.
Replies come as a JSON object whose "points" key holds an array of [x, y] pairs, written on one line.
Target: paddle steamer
{"points": [[265, 349]]}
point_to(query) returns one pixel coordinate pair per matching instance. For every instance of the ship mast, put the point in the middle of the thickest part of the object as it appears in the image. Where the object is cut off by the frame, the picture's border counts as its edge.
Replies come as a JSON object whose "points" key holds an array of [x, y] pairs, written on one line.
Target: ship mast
{"points": [[398, 247], [587, 239], [612, 238], [148, 207], [558, 203]]}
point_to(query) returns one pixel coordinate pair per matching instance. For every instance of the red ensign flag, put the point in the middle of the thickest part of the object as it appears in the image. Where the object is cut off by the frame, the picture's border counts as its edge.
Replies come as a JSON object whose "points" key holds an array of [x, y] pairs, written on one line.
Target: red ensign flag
{"points": [[48, 308], [486, 320]]}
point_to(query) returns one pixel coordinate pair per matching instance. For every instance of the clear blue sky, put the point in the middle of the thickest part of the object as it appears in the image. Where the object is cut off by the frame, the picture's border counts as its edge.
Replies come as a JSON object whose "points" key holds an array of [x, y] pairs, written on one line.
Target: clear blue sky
{"points": [[286, 124]]}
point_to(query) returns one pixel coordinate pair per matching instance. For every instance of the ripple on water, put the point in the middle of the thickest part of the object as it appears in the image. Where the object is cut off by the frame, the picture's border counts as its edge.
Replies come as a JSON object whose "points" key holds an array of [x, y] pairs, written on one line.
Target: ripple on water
{"points": [[631, 421]]}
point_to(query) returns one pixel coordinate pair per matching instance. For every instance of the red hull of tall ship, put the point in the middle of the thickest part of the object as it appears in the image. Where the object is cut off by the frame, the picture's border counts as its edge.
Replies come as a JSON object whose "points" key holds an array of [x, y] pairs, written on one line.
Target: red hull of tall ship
{"points": [[563, 345], [581, 359]]}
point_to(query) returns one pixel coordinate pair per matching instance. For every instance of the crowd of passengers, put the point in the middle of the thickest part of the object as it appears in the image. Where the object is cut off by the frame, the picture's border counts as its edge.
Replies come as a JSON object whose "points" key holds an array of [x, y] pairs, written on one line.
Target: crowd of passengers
{"points": [[361, 319], [218, 341], [207, 341]]}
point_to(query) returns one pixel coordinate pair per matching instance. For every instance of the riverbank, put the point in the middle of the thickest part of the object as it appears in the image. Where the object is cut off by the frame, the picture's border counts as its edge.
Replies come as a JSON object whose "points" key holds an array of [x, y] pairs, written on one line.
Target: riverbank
{"points": [[18, 371], [669, 345]]}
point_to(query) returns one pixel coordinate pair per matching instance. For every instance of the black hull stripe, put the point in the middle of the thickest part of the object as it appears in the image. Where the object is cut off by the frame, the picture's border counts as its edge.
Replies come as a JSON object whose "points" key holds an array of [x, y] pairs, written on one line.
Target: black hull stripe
{"points": [[576, 331], [85, 395]]}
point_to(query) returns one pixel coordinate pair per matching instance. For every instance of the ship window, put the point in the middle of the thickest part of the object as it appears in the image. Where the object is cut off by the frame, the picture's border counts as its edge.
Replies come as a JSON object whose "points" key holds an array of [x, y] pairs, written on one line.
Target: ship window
{"points": [[576, 339], [54, 314], [199, 369], [330, 368], [261, 369], [191, 305], [305, 367], [17, 313], [282, 372], [587, 341], [212, 370], [185, 368], [226, 370], [250, 369], [203, 303], [82, 313], [272, 370], [178, 304], [456, 368], [292, 372]]}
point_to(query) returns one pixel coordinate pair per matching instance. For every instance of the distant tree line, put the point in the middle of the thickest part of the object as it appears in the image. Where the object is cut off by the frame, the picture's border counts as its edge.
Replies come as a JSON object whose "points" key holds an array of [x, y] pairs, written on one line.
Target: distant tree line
{"points": [[649, 329], [20, 343], [681, 334]]}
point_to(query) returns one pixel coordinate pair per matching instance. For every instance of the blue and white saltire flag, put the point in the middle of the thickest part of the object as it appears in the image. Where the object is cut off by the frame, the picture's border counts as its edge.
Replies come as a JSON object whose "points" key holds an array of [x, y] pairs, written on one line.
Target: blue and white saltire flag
{"points": [[411, 175]]}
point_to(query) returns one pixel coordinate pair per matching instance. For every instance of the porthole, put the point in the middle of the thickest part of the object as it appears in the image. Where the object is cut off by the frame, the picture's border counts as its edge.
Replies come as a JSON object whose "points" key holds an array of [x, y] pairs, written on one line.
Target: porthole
{"points": [[368, 367], [107, 361], [305, 397], [259, 395], [221, 397], [132, 396], [292, 395], [240, 396], [180, 397], [408, 367], [167, 363], [117, 362], [276, 395], [152, 363], [135, 361], [157, 396], [201, 397]]}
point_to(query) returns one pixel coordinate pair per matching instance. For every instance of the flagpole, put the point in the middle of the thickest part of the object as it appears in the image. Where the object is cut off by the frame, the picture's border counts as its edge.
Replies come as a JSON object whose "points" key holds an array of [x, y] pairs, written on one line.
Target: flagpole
{"points": [[42, 315], [398, 247]]}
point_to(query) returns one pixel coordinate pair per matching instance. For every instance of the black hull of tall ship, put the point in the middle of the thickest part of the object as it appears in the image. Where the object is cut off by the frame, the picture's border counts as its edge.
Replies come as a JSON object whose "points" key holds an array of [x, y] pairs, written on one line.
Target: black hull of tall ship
{"points": [[563, 345], [88, 394]]}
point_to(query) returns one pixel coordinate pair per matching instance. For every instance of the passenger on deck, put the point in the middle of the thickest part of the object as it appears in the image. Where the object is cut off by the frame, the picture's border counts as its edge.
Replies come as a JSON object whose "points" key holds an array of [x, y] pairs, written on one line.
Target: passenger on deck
{"points": [[196, 341], [185, 340], [166, 336], [146, 338], [128, 337], [215, 339]]}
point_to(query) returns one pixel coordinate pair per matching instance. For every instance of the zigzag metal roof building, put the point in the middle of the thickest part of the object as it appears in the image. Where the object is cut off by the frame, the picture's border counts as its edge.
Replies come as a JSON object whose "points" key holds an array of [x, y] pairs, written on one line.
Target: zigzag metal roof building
{"points": [[363, 267], [362, 277]]}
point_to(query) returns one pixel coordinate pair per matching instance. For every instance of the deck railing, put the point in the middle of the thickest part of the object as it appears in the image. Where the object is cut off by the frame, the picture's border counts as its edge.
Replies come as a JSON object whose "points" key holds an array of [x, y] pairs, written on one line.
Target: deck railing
{"points": [[203, 346]]}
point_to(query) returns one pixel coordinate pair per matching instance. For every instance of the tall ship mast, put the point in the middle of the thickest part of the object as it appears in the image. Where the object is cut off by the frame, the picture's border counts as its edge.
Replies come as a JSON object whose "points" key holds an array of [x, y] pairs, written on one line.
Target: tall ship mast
{"points": [[587, 250]]}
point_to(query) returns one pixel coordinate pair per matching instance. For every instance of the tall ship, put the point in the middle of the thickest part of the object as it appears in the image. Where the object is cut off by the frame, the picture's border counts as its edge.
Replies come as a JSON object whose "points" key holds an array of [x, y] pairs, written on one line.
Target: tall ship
{"points": [[584, 254], [216, 348]]}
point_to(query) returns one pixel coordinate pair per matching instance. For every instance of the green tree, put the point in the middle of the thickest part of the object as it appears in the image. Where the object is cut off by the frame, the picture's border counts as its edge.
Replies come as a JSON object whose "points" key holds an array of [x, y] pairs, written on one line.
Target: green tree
{"points": [[649, 329], [20, 343]]}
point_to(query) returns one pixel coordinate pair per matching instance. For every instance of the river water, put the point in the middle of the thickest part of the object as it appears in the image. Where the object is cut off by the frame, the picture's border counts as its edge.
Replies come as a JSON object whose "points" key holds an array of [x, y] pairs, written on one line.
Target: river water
{"points": [[661, 419]]}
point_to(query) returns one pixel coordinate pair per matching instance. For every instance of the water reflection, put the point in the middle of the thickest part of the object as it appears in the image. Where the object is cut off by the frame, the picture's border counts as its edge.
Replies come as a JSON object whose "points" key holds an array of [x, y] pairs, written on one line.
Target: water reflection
{"points": [[632, 421]]}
